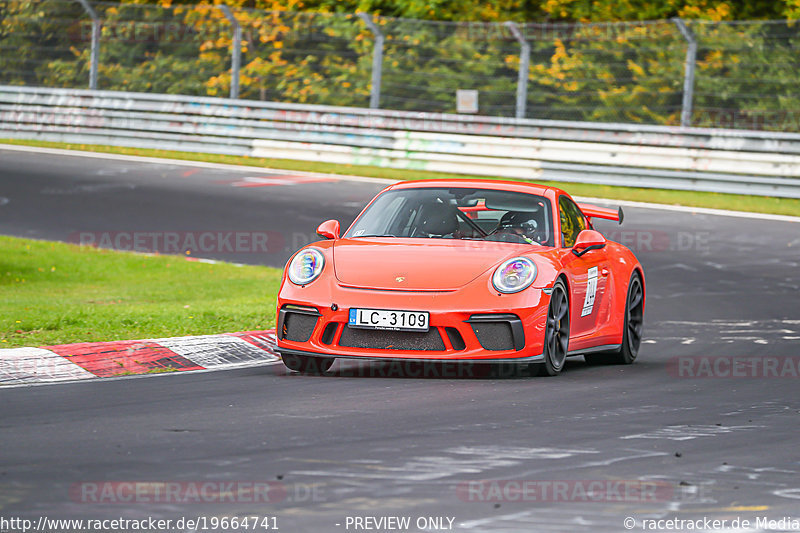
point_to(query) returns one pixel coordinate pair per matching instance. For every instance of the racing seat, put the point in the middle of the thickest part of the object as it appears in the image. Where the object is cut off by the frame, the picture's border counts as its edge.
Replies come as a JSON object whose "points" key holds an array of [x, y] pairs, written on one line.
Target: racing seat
{"points": [[436, 218]]}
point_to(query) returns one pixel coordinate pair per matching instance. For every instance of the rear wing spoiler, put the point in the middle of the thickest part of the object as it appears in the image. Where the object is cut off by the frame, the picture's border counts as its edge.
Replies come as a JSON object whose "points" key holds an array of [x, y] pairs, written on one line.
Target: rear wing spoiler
{"points": [[593, 211]]}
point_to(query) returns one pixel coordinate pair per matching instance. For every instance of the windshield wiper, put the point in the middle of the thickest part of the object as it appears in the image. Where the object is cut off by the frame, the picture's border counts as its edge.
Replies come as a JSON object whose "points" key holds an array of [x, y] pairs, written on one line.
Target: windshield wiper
{"points": [[375, 235]]}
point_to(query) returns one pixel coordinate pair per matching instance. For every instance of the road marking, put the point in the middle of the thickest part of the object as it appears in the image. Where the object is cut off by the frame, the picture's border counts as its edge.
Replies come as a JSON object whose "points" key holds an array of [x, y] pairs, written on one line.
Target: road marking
{"points": [[91, 360], [272, 181], [217, 351], [685, 432], [31, 365]]}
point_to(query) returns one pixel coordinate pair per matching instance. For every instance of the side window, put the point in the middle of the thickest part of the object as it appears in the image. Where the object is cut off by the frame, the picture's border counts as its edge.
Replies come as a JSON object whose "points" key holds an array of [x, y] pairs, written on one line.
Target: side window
{"points": [[572, 221]]}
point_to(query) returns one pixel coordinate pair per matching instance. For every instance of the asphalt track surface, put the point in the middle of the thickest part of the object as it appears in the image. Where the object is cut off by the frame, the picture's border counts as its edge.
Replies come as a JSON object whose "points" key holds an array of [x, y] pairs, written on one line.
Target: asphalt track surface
{"points": [[373, 440]]}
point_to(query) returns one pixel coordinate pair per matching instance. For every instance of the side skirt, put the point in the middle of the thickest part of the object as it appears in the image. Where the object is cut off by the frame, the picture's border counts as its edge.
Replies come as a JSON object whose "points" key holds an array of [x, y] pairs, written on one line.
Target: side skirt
{"points": [[593, 349]]}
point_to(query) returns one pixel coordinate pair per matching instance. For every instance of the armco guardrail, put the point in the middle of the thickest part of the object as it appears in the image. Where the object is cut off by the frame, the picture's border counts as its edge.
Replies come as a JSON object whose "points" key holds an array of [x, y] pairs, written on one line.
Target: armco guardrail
{"points": [[731, 161]]}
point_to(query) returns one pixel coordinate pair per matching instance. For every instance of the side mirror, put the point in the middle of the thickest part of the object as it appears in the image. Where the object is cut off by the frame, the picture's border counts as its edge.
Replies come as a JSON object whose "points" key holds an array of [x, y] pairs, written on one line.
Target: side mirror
{"points": [[587, 240], [329, 229]]}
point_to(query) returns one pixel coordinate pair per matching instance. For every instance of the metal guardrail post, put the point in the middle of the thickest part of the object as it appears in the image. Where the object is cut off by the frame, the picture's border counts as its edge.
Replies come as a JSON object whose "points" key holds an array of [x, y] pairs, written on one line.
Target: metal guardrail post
{"points": [[524, 68], [688, 71], [377, 61], [236, 50], [95, 51]]}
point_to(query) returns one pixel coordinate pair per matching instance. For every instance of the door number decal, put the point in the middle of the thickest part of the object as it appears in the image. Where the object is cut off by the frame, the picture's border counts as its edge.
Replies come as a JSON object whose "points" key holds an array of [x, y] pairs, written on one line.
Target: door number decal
{"points": [[591, 290]]}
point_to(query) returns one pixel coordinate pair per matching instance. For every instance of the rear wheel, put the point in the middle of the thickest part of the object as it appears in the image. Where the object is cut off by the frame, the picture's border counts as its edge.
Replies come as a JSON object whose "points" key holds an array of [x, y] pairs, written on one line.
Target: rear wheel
{"points": [[556, 334], [307, 364], [632, 334]]}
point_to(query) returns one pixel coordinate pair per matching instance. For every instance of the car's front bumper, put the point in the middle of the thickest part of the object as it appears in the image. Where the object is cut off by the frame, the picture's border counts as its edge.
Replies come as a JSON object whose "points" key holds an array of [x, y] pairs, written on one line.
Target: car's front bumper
{"points": [[465, 325]]}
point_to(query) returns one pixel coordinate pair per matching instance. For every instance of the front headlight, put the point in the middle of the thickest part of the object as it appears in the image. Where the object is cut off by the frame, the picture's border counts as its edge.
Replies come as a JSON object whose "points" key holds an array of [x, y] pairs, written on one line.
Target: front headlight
{"points": [[514, 275], [306, 266]]}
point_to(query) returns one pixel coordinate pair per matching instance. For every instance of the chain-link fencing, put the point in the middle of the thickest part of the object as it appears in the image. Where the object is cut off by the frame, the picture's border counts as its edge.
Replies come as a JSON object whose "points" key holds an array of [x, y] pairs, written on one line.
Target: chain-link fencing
{"points": [[669, 72]]}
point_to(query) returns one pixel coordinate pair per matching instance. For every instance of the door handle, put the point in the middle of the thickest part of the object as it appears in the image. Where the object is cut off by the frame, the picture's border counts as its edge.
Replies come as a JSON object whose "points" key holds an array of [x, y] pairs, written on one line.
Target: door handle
{"points": [[604, 272]]}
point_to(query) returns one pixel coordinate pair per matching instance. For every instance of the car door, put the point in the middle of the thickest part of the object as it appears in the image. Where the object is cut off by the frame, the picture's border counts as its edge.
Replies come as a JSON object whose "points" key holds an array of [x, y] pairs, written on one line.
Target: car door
{"points": [[588, 273]]}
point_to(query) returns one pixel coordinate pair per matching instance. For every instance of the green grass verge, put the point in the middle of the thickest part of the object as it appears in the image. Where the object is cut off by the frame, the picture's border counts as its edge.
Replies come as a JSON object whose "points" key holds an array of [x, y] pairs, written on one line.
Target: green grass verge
{"points": [[53, 293], [757, 204]]}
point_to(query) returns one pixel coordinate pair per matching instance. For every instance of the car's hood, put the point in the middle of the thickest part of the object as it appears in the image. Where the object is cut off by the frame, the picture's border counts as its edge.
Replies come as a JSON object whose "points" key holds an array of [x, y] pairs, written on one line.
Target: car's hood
{"points": [[415, 264]]}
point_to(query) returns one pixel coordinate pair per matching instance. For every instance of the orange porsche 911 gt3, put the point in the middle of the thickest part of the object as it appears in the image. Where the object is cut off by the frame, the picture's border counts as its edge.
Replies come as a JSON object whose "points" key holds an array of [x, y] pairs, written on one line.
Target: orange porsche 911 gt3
{"points": [[463, 271]]}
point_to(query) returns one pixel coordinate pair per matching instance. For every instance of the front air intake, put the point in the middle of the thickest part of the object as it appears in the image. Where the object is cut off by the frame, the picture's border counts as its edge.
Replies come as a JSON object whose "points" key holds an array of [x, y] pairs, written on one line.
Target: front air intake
{"points": [[296, 323], [428, 341], [498, 332]]}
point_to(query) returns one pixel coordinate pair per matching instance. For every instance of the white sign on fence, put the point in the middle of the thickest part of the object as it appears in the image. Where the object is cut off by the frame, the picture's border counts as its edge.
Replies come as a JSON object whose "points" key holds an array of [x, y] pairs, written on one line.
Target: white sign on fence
{"points": [[466, 101]]}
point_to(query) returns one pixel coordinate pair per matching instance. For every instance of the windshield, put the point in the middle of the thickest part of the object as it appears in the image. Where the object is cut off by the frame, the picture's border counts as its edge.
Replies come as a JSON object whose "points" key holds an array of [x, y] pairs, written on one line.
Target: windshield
{"points": [[458, 213]]}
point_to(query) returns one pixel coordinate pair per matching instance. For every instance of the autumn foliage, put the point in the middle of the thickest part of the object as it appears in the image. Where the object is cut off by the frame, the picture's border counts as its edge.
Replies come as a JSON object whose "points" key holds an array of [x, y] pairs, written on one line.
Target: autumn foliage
{"points": [[595, 60]]}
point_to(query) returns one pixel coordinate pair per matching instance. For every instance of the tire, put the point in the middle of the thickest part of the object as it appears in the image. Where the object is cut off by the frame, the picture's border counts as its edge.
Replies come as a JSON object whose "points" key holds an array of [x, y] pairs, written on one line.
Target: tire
{"points": [[306, 364], [632, 333], [556, 334]]}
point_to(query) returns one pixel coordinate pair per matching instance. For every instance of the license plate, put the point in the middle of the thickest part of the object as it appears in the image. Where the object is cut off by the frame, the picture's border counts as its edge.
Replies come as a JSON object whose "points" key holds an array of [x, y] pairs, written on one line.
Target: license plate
{"points": [[388, 319]]}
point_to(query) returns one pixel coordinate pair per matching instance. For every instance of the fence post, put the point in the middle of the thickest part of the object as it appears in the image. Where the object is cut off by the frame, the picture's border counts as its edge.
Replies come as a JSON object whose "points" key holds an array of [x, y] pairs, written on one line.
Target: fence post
{"points": [[688, 71], [377, 61], [236, 51], [95, 51], [524, 68]]}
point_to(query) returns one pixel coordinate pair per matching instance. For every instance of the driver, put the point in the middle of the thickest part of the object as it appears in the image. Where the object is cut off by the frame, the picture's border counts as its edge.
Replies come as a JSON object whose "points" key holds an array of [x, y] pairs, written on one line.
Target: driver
{"points": [[523, 224]]}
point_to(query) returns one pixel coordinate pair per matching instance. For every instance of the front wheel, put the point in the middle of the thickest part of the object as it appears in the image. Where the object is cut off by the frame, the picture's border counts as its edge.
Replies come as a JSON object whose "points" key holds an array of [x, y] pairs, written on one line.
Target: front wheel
{"points": [[556, 334], [633, 327], [306, 364]]}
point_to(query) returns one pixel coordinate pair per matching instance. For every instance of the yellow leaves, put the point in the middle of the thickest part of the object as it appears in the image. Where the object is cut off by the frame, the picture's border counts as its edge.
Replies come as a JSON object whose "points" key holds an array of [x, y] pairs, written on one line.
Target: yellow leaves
{"points": [[636, 69], [553, 7], [277, 59], [216, 84], [561, 51], [712, 60], [278, 44], [791, 9], [716, 13]]}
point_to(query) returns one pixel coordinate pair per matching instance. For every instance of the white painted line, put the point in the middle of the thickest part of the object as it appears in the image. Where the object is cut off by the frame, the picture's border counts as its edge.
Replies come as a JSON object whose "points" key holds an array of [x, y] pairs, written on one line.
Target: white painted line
{"points": [[343, 177], [217, 351], [33, 365]]}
